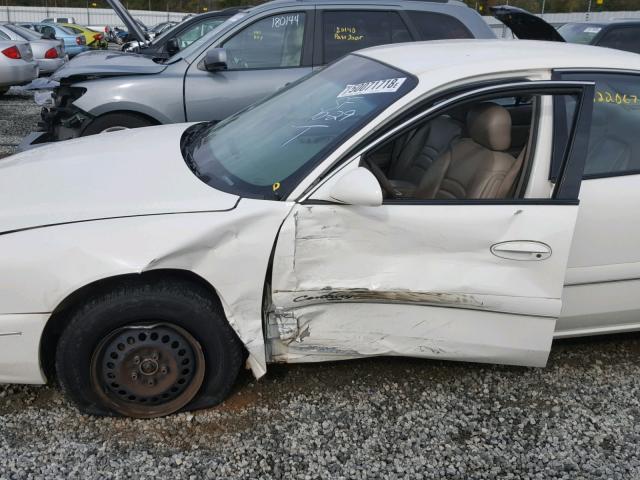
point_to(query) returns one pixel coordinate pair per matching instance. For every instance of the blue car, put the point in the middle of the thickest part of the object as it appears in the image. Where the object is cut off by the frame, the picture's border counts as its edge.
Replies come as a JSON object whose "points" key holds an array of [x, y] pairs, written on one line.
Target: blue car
{"points": [[73, 43]]}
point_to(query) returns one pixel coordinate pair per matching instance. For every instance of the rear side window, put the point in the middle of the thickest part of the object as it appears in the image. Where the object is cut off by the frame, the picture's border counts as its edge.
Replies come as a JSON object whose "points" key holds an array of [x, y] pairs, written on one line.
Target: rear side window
{"points": [[623, 38], [438, 26], [614, 141], [347, 30]]}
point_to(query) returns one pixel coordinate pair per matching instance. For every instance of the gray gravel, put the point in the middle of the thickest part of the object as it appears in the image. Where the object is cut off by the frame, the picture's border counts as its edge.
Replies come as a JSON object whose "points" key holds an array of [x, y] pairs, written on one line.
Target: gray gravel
{"points": [[378, 418], [18, 116]]}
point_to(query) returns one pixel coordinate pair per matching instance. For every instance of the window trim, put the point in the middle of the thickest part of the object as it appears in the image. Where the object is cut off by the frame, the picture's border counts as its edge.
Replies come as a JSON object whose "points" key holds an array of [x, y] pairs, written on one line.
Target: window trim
{"points": [[566, 190], [559, 75], [307, 40]]}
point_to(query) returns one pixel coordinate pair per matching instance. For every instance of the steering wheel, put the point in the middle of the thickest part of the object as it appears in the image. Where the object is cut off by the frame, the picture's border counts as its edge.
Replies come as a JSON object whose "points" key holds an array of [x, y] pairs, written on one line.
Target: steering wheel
{"points": [[386, 185]]}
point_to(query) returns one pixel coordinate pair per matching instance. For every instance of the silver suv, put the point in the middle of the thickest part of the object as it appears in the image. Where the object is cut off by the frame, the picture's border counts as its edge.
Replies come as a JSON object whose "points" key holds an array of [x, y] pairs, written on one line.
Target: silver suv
{"points": [[250, 56]]}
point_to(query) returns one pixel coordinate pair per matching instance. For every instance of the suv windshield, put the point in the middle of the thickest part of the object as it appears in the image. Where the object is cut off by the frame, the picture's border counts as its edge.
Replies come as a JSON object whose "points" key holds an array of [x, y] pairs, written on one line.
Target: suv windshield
{"points": [[579, 32], [265, 150]]}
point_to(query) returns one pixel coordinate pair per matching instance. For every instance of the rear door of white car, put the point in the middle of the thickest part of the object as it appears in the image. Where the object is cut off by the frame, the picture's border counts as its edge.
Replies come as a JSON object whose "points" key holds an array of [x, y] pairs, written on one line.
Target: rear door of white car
{"points": [[477, 279]]}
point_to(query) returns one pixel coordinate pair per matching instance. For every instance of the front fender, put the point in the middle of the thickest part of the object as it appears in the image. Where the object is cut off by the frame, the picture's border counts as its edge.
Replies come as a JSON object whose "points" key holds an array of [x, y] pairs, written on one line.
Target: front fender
{"points": [[157, 96], [230, 250]]}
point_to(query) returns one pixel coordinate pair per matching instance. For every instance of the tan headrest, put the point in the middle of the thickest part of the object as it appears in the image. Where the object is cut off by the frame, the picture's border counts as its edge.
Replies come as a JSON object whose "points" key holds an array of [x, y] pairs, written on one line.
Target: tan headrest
{"points": [[489, 125]]}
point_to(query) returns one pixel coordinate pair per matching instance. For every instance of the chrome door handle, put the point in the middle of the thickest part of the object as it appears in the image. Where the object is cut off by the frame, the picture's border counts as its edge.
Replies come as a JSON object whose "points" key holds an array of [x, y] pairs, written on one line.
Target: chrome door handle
{"points": [[521, 250]]}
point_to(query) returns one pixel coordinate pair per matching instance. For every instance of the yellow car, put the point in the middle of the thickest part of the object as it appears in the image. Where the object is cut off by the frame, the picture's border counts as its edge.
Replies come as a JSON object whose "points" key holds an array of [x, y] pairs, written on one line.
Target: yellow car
{"points": [[95, 39]]}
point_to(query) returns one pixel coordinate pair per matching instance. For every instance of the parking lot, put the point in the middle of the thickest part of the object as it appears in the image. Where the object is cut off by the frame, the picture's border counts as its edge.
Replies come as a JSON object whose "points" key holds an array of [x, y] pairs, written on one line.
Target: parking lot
{"points": [[377, 418]]}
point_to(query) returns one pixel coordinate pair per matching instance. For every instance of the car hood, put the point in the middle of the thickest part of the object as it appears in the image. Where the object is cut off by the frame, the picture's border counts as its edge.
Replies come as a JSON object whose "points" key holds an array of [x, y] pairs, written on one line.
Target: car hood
{"points": [[525, 25], [107, 64], [110, 175]]}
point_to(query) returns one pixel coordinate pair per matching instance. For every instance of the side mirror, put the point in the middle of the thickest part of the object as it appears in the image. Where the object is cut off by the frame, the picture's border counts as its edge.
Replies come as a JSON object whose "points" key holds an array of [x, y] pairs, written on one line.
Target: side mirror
{"points": [[357, 187], [172, 46], [215, 60]]}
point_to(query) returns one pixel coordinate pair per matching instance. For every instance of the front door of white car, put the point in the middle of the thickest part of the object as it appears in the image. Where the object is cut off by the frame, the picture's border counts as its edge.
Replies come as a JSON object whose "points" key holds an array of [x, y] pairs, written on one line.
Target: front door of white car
{"points": [[477, 280]]}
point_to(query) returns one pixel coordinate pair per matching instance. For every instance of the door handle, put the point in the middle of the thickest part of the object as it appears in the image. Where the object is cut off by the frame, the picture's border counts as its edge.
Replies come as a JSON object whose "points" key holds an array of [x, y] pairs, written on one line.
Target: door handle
{"points": [[521, 250]]}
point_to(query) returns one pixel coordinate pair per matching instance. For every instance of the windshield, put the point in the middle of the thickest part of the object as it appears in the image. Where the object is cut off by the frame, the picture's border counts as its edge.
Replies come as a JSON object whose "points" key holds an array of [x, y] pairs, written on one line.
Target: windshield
{"points": [[265, 150], [208, 36], [579, 32], [66, 30]]}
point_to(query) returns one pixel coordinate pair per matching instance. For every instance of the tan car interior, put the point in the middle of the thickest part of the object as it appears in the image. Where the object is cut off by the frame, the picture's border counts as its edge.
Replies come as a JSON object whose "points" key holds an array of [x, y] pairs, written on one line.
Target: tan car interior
{"points": [[477, 151]]}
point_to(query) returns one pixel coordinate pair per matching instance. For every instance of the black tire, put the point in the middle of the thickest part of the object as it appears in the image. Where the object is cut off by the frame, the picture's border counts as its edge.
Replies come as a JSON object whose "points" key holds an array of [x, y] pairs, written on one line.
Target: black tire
{"points": [[113, 120], [186, 306]]}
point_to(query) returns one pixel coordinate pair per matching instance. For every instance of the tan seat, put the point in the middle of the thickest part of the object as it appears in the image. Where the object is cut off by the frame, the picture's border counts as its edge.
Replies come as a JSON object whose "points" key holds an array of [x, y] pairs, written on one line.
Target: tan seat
{"points": [[477, 166]]}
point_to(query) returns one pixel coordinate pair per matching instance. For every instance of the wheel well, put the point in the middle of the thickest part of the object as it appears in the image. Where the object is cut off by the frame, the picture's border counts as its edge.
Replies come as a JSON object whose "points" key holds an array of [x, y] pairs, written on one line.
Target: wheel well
{"points": [[62, 313], [125, 112]]}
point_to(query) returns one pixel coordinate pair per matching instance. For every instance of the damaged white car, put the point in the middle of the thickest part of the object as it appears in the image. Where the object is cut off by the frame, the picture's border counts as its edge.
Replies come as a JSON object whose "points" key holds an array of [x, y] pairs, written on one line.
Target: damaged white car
{"points": [[415, 199]]}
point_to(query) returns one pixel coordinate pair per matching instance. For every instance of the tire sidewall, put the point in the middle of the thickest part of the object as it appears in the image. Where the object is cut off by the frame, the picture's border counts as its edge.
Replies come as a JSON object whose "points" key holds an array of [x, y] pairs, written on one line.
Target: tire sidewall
{"points": [[90, 325]]}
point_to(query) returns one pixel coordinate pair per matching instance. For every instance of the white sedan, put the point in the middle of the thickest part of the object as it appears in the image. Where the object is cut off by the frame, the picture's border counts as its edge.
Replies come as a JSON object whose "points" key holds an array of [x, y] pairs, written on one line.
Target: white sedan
{"points": [[416, 199]]}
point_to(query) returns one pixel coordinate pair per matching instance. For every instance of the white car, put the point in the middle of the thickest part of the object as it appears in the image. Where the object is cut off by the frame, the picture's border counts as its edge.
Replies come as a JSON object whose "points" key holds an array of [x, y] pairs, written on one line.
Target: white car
{"points": [[415, 199]]}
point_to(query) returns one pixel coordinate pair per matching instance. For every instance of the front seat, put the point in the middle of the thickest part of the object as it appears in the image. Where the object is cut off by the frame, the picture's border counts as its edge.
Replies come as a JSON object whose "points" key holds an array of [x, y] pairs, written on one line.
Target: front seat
{"points": [[477, 166]]}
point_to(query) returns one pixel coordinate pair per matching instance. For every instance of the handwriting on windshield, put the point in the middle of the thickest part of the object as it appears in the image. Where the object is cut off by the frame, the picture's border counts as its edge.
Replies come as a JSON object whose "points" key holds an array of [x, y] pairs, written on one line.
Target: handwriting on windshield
{"points": [[343, 110]]}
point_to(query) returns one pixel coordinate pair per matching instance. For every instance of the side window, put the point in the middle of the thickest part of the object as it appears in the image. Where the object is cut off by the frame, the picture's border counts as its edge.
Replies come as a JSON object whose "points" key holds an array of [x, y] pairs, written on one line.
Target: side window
{"points": [[347, 30], [273, 42], [614, 143], [470, 151], [623, 38], [197, 31], [46, 30], [437, 26]]}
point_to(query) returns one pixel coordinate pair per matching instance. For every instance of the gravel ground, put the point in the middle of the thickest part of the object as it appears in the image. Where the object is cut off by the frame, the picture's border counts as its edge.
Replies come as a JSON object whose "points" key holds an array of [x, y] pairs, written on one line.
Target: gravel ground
{"points": [[377, 418], [18, 116]]}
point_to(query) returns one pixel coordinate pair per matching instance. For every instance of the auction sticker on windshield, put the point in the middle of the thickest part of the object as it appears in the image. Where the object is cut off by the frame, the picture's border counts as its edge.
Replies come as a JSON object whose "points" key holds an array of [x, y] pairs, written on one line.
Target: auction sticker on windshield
{"points": [[389, 85]]}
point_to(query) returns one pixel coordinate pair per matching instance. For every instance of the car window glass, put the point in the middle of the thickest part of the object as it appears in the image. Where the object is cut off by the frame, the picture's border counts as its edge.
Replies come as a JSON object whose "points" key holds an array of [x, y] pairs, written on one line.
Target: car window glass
{"points": [[193, 33], [294, 129], [579, 32], [66, 30], [624, 38], [272, 42], [614, 143], [347, 30], [4, 36], [437, 26], [46, 30]]}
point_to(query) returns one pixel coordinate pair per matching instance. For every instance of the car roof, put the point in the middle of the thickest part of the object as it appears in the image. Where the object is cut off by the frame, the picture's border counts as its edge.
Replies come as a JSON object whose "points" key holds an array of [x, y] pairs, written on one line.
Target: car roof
{"points": [[414, 3], [466, 58]]}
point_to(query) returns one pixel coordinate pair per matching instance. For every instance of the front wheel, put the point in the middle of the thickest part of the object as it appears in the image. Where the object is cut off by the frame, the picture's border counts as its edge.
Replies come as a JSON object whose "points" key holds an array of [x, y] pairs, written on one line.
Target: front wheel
{"points": [[112, 122], [148, 349]]}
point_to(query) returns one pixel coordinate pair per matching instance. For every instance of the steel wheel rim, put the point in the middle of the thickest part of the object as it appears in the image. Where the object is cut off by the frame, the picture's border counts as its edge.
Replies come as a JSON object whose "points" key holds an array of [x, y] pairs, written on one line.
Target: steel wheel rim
{"points": [[147, 370]]}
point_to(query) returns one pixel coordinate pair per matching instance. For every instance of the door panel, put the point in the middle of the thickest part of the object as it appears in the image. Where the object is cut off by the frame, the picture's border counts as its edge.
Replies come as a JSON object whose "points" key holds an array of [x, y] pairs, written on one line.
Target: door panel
{"points": [[215, 96], [416, 277], [263, 57]]}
